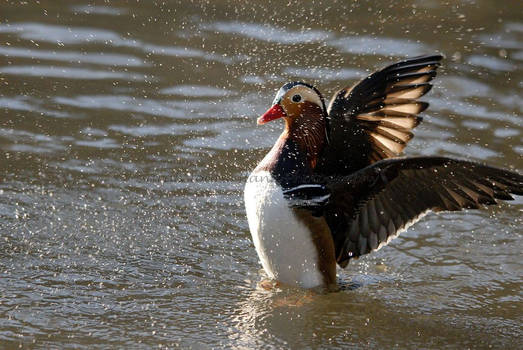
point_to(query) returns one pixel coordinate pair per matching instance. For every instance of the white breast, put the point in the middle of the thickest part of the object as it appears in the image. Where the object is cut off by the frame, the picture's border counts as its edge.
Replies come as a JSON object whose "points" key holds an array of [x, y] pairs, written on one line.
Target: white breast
{"points": [[284, 244]]}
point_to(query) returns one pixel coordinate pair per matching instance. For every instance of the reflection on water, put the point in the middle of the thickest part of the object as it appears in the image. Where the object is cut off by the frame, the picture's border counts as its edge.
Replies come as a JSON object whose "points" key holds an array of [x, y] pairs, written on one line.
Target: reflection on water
{"points": [[127, 132]]}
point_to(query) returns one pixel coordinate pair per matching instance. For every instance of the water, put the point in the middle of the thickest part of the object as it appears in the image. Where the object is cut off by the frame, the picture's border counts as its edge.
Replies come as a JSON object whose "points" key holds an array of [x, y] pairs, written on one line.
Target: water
{"points": [[127, 131]]}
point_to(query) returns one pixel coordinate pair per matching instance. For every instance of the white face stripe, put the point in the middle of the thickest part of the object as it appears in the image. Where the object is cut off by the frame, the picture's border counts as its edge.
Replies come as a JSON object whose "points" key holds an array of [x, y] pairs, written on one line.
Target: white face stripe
{"points": [[306, 93], [309, 94]]}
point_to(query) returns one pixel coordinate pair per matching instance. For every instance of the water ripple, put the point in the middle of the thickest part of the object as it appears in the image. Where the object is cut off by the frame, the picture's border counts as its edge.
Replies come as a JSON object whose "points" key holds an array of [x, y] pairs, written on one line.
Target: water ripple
{"points": [[127, 133], [23, 103], [102, 58], [383, 46], [124, 103], [269, 33], [196, 91], [99, 10], [68, 73], [64, 35], [324, 73], [492, 63]]}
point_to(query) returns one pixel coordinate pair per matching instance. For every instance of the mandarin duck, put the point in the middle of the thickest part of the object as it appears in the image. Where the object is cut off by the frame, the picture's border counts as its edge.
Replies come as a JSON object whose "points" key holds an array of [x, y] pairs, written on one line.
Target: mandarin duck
{"points": [[333, 188]]}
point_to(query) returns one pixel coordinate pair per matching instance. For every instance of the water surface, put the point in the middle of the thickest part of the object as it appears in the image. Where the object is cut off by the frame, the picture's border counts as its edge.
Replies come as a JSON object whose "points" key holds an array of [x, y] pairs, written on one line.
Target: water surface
{"points": [[127, 130]]}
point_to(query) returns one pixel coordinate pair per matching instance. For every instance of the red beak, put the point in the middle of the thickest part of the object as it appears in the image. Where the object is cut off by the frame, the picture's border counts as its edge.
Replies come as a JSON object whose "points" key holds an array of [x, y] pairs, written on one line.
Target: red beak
{"points": [[273, 113]]}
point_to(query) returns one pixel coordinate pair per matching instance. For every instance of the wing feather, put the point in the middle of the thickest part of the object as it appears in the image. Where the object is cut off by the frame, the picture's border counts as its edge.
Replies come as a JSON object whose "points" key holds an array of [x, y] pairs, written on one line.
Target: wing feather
{"points": [[389, 196], [373, 120]]}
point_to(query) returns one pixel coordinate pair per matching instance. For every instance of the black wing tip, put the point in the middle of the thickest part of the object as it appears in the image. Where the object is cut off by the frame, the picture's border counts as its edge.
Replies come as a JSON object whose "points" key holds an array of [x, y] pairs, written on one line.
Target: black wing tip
{"points": [[401, 76], [423, 106], [422, 58]]}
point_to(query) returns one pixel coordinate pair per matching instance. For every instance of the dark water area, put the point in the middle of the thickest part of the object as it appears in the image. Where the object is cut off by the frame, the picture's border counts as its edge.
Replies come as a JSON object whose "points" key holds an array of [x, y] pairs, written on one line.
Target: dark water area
{"points": [[127, 131]]}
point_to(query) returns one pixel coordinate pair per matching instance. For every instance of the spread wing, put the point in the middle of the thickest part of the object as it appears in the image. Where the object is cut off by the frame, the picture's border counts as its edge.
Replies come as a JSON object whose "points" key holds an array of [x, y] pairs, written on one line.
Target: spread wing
{"points": [[370, 207], [373, 120]]}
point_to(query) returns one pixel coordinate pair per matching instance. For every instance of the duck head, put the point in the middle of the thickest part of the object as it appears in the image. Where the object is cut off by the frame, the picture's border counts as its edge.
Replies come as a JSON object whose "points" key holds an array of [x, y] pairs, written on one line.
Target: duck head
{"points": [[302, 108], [295, 102]]}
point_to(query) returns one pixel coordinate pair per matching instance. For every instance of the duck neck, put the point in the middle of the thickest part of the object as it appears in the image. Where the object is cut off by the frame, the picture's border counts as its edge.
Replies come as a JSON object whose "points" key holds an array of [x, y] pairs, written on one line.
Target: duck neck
{"points": [[308, 132], [294, 155]]}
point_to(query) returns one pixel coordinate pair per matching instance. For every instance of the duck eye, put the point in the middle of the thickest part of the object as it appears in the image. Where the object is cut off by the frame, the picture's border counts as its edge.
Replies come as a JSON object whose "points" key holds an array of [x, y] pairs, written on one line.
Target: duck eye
{"points": [[296, 98]]}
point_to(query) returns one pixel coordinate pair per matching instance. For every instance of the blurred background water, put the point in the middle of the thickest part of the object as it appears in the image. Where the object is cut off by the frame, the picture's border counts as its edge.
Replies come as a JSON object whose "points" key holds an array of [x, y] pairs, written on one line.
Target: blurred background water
{"points": [[127, 129]]}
